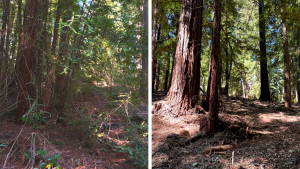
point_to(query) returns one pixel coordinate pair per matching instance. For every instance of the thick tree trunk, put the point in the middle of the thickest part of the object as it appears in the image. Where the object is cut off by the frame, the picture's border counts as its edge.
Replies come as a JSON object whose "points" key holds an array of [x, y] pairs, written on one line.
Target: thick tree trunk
{"points": [[154, 36], [213, 123], [50, 65], [186, 74], [264, 87], [287, 80], [26, 89]]}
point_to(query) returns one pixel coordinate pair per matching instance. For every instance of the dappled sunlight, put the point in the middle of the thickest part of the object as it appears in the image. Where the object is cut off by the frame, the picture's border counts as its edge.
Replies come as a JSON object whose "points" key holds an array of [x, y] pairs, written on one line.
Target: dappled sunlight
{"points": [[281, 116]]}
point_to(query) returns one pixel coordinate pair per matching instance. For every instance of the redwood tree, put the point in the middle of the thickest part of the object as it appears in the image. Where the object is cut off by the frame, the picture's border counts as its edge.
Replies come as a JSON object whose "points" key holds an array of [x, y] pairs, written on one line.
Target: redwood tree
{"points": [[264, 87], [28, 63], [213, 123], [184, 90], [287, 80]]}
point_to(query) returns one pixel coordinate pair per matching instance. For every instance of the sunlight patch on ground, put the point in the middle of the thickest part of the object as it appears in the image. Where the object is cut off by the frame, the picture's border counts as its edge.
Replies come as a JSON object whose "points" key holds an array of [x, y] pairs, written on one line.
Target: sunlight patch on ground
{"points": [[267, 118]]}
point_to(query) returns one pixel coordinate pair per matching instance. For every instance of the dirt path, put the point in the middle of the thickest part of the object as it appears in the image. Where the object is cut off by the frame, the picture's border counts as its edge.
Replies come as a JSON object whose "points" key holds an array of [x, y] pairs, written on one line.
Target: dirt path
{"points": [[275, 143], [72, 138]]}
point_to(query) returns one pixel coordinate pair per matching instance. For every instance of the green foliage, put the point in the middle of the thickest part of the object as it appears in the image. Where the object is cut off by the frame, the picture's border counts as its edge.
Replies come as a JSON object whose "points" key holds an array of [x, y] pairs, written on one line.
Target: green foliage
{"points": [[35, 115], [138, 144], [47, 161]]}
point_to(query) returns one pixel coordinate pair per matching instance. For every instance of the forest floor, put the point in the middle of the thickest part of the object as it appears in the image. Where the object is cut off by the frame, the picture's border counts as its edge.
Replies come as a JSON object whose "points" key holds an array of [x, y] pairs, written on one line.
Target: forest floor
{"points": [[274, 140], [72, 137]]}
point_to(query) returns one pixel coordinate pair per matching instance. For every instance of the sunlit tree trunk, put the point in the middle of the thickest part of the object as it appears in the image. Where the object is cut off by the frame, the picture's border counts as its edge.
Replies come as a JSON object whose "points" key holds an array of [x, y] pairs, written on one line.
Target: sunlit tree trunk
{"points": [[213, 122], [264, 87], [287, 80], [184, 90]]}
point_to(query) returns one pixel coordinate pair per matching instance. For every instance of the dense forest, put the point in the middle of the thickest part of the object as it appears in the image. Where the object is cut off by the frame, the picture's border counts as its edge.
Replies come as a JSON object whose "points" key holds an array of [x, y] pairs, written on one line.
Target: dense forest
{"points": [[210, 55], [74, 77], [254, 37]]}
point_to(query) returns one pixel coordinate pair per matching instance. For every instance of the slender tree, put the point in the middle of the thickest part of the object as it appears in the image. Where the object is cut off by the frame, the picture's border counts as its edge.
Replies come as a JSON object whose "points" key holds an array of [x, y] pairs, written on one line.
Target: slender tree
{"points": [[50, 67], [154, 37], [287, 80], [213, 124]]}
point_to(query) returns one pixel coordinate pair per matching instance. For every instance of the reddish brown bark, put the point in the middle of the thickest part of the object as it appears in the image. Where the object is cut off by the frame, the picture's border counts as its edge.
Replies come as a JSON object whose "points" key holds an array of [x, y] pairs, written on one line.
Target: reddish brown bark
{"points": [[287, 80], [213, 123], [186, 74], [26, 89]]}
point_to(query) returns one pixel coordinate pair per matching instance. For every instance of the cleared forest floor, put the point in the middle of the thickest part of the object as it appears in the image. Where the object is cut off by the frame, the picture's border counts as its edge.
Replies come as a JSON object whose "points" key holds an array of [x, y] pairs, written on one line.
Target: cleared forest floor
{"points": [[72, 138], [274, 142]]}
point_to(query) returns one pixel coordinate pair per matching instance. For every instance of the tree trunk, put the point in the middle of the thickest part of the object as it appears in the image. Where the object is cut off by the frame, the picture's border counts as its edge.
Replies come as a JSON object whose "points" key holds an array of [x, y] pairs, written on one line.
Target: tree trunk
{"points": [[154, 36], [213, 123], [144, 84], [5, 24], [26, 89], [186, 74], [203, 83], [237, 89], [167, 74], [172, 68], [156, 83], [50, 66], [60, 86], [173, 55], [155, 64], [264, 87], [298, 59], [287, 81]]}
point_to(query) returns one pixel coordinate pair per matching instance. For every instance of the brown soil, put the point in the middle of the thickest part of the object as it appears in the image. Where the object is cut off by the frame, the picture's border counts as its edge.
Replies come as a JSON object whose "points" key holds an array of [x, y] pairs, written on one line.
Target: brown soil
{"points": [[72, 135], [274, 143]]}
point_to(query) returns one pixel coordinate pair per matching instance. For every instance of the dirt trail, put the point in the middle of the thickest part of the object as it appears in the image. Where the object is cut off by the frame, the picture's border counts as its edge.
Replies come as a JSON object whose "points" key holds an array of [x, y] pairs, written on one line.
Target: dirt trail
{"points": [[275, 143]]}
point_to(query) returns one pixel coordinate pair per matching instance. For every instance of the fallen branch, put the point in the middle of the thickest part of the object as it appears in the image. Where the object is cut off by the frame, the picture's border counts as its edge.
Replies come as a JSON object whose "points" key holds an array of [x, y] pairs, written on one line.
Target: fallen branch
{"points": [[218, 148]]}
